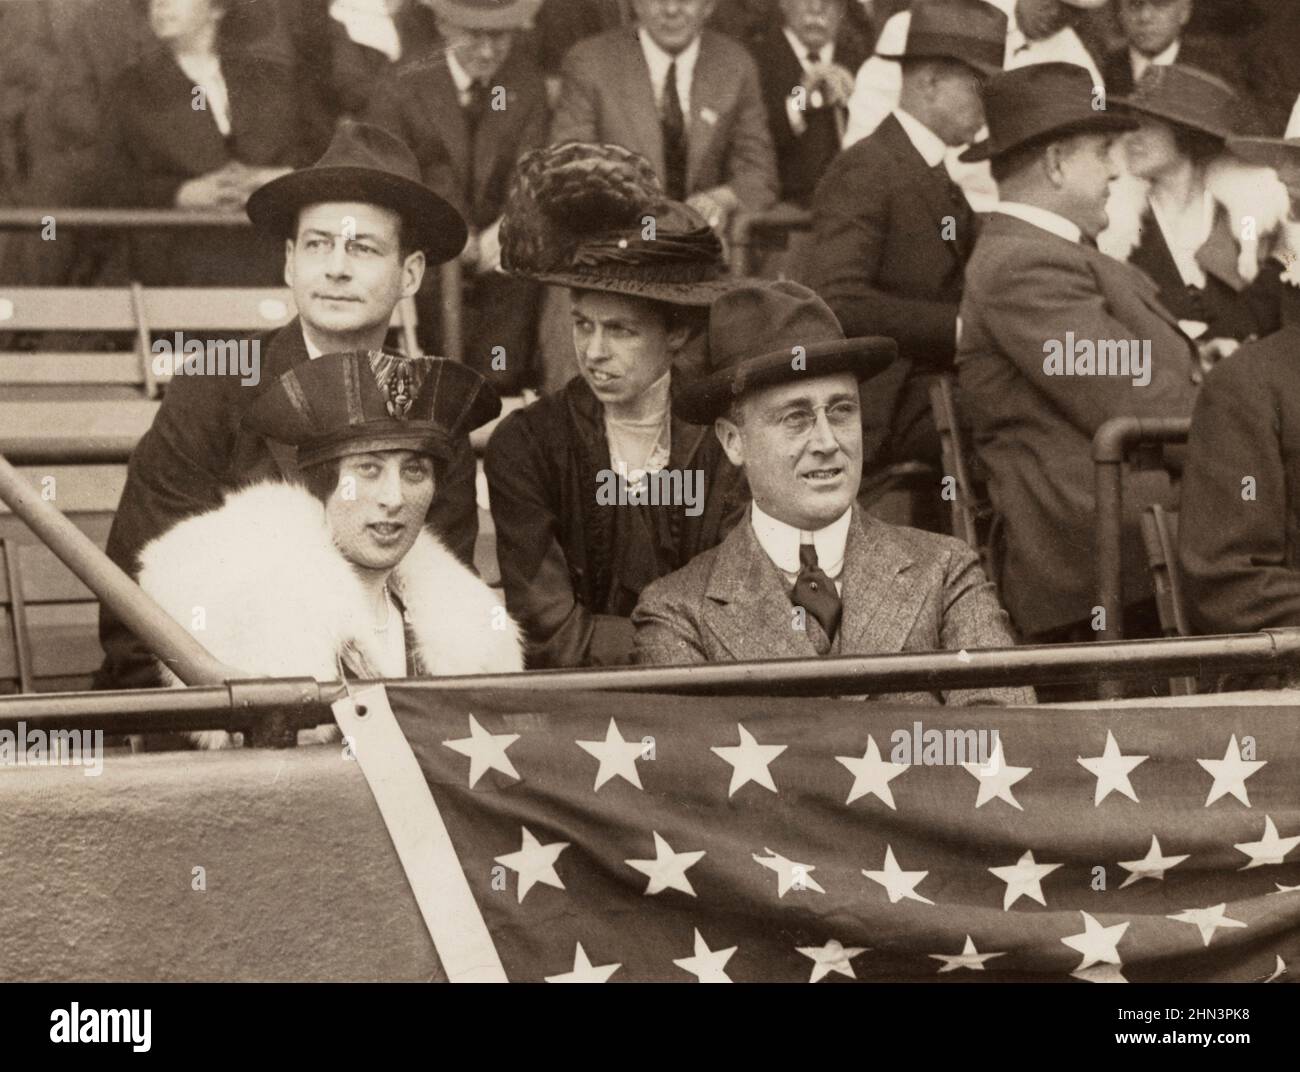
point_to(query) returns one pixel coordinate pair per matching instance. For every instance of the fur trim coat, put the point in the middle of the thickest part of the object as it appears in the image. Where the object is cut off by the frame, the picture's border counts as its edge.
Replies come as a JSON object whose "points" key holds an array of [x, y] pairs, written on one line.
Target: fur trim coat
{"points": [[261, 585]]}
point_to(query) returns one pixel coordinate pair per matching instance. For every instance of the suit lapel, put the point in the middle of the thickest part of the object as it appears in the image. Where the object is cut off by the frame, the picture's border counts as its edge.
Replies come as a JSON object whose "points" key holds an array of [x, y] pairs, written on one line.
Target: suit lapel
{"points": [[708, 87], [880, 601], [441, 103], [746, 607], [640, 112], [929, 187]]}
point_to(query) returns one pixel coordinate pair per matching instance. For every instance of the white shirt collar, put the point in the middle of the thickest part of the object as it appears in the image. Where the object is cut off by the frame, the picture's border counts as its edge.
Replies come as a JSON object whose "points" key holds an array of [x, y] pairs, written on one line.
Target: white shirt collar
{"points": [[658, 61], [313, 351], [927, 142], [826, 53], [1139, 63], [458, 75], [1041, 217], [369, 23], [780, 542]]}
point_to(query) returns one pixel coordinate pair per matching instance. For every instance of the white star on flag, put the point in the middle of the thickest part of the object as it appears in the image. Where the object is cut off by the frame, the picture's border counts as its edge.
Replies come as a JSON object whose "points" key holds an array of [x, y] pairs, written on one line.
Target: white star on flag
{"points": [[831, 957], [1100, 973], [1285, 889], [535, 863], [1271, 850], [486, 751], [584, 971], [1112, 770], [1024, 878], [617, 757], [707, 964], [749, 761], [996, 778], [898, 883], [667, 871], [1207, 920], [969, 957], [871, 774], [1230, 773], [1153, 865], [1098, 944], [1279, 969], [789, 875]]}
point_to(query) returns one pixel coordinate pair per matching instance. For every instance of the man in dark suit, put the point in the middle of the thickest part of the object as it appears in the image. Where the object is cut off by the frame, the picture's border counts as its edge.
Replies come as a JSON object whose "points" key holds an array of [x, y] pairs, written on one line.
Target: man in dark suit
{"points": [[686, 98], [469, 112], [1056, 339], [806, 63], [892, 231], [806, 573], [358, 228]]}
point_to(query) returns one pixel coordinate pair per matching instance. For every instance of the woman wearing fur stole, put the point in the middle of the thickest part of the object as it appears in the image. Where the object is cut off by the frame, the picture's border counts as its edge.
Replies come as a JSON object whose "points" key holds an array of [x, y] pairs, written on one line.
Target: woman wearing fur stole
{"points": [[1194, 217], [337, 576]]}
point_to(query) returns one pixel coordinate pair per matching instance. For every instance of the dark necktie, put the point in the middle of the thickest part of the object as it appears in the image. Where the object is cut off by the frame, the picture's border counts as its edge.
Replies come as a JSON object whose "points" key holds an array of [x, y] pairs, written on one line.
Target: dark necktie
{"points": [[674, 133], [816, 593], [476, 105], [961, 210]]}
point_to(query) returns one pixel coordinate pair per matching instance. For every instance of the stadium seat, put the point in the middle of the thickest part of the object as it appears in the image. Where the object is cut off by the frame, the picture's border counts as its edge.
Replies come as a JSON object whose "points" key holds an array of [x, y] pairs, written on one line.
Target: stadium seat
{"points": [[1160, 538], [973, 518]]}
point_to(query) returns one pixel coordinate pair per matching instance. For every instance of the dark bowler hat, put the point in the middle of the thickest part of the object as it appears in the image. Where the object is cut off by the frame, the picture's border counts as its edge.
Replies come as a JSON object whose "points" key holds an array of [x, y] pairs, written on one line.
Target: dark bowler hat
{"points": [[487, 14], [364, 163], [1267, 152], [969, 31], [763, 333], [595, 216], [1040, 101], [366, 400], [1189, 97]]}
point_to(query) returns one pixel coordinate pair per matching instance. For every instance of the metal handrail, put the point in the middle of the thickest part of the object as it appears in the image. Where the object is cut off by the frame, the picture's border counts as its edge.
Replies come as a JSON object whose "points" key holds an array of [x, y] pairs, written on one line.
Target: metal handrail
{"points": [[785, 217], [298, 703]]}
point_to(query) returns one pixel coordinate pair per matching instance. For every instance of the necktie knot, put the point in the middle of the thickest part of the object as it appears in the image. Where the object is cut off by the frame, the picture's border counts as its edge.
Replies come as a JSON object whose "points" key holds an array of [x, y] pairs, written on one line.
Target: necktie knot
{"points": [[816, 593], [814, 57]]}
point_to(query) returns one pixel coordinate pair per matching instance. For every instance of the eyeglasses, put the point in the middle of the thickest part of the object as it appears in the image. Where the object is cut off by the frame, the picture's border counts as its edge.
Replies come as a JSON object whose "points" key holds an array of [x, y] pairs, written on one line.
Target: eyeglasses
{"points": [[797, 423]]}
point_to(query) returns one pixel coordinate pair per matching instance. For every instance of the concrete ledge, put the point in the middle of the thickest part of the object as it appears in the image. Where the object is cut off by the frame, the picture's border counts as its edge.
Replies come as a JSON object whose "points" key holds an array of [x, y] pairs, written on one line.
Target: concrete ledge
{"points": [[302, 880]]}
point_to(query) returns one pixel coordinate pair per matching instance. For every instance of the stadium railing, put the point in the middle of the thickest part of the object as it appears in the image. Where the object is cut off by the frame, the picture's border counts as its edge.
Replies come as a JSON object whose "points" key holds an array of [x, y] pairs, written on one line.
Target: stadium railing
{"points": [[748, 229]]}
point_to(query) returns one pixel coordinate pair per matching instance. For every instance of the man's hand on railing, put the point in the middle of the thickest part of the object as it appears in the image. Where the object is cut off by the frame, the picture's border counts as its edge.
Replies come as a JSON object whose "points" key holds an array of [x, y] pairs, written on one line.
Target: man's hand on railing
{"points": [[224, 188]]}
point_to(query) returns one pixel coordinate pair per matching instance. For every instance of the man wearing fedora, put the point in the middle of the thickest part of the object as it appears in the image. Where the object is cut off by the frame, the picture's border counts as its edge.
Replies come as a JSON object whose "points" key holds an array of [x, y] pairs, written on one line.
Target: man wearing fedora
{"points": [[892, 232], [1038, 296], [578, 478], [807, 573], [1238, 543], [359, 228], [469, 112]]}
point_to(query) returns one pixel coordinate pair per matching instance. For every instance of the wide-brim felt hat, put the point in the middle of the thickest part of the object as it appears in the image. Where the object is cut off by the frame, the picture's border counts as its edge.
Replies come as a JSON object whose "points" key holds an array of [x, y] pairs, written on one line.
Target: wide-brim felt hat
{"points": [[1188, 97], [360, 401], [764, 333], [1041, 102], [487, 14], [596, 217], [364, 163], [969, 31], [1266, 152]]}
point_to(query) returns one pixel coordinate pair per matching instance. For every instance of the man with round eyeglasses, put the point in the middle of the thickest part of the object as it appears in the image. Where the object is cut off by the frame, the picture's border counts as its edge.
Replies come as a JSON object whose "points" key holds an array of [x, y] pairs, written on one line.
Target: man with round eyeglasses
{"points": [[810, 574]]}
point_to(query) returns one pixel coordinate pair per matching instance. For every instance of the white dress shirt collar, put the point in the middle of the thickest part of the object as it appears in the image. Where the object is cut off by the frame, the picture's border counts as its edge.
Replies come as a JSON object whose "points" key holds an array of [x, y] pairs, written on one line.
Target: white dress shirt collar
{"points": [[459, 76], [659, 61], [1041, 217], [927, 142], [313, 351], [1139, 63], [826, 53], [780, 542], [205, 72]]}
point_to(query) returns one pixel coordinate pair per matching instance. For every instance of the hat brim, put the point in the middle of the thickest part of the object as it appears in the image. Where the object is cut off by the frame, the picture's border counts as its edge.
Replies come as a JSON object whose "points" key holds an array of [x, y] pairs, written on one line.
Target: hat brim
{"points": [[1097, 124], [1266, 152], [988, 70], [703, 293], [1168, 115], [708, 398], [431, 223]]}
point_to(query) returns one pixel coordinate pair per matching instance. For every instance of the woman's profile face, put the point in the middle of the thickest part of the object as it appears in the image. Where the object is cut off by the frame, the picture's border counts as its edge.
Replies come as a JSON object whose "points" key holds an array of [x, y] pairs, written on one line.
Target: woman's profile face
{"points": [[378, 508], [1151, 149], [172, 19]]}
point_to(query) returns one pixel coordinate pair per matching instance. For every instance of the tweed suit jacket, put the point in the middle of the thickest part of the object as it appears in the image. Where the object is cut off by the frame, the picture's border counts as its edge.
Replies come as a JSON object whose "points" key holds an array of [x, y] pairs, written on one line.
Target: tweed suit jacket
{"points": [[1033, 431], [607, 96], [902, 590]]}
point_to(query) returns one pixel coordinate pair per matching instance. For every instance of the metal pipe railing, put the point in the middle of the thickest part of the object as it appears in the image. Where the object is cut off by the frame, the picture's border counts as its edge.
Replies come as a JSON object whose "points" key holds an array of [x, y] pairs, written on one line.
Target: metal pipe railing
{"points": [[67, 449], [300, 703], [1112, 446]]}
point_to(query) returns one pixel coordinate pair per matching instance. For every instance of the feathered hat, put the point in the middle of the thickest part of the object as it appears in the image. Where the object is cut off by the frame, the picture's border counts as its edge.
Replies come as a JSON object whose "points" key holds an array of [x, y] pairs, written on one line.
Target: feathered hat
{"points": [[596, 217]]}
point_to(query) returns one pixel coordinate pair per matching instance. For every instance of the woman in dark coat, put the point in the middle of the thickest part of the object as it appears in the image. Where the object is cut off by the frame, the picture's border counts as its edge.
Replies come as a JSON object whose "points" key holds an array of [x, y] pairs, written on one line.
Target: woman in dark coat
{"points": [[597, 490]]}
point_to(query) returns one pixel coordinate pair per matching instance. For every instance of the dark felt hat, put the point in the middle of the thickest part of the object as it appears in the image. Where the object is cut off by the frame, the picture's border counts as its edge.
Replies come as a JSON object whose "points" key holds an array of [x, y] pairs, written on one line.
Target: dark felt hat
{"points": [[596, 216], [487, 14], [1267, 152], [969, 31], [1189, 97], [763, 333], [364, 163], [357, 401], [1042, 101]]}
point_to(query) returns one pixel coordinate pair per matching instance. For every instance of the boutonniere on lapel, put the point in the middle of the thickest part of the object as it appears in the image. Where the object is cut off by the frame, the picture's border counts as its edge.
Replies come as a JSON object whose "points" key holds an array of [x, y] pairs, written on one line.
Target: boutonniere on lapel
{"points": [[709, 116]]}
